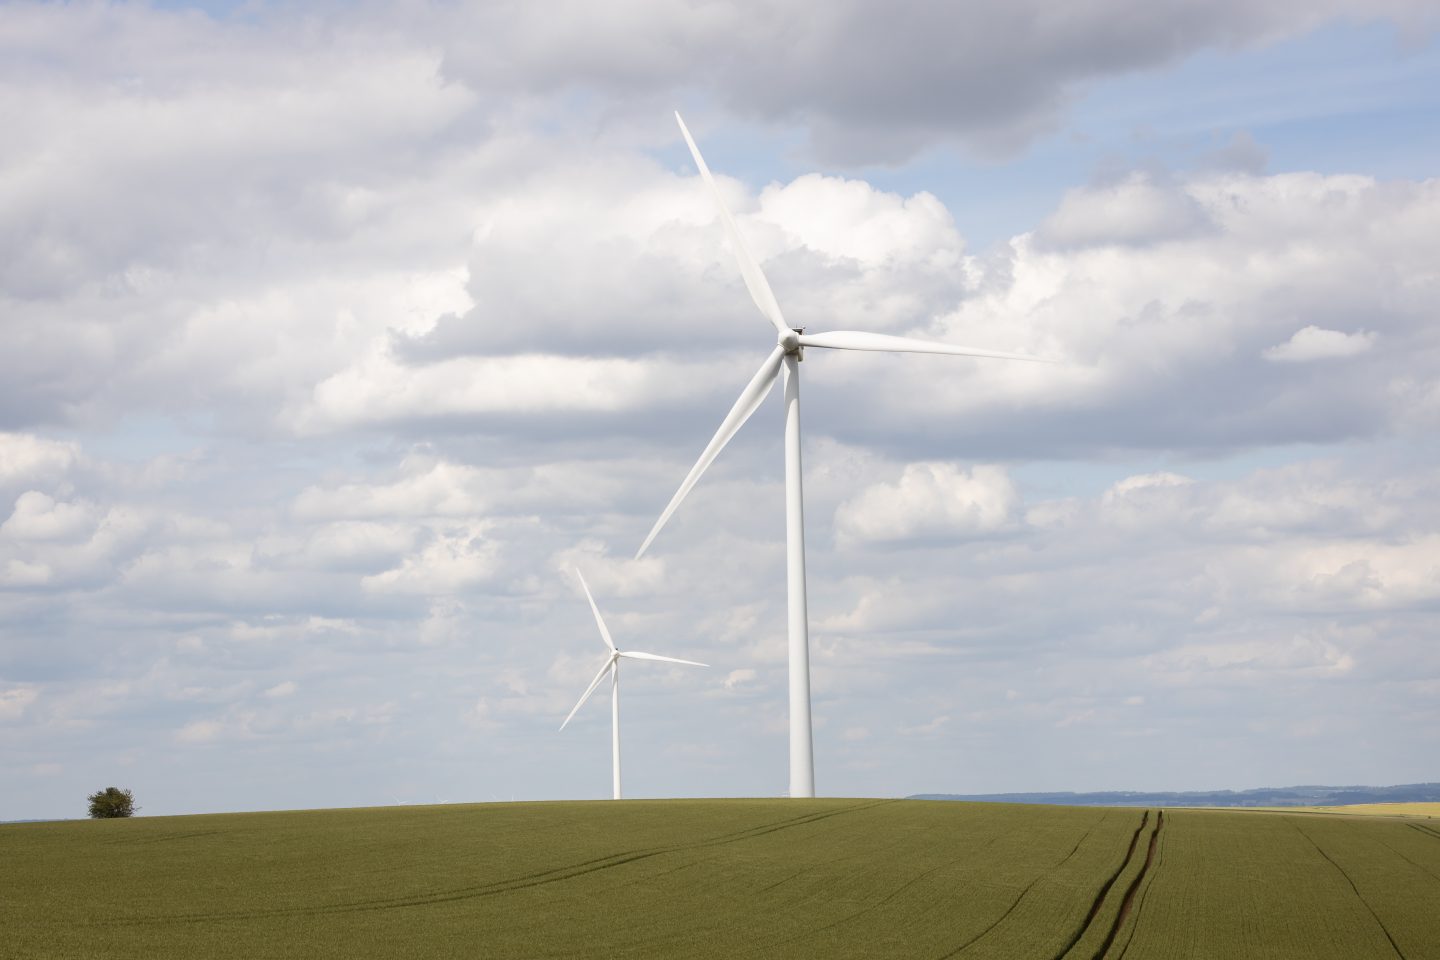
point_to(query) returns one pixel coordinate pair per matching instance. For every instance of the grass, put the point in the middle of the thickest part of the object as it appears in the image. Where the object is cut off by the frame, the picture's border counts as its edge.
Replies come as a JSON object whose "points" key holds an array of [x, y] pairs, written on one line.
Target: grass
{"points": [[732, 878]]}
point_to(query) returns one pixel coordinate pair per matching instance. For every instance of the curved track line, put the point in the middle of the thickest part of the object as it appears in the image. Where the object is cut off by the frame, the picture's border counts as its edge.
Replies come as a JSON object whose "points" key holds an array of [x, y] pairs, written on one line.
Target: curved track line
{"points": [[1418, 866], [1425, 828], [1383, 929], [1028, 887], [969, 854], [1099, 900], [552, 875]]}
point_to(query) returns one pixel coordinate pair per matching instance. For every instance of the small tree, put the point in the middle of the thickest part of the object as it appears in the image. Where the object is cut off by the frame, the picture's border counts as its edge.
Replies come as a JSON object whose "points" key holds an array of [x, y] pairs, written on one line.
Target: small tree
{"points": [[112, 802]]}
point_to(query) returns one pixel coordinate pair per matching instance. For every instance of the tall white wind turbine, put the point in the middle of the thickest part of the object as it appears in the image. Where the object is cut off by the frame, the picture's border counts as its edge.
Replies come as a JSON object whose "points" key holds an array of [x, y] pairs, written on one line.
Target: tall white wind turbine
{"points": [[787, 354], [612, 667]]}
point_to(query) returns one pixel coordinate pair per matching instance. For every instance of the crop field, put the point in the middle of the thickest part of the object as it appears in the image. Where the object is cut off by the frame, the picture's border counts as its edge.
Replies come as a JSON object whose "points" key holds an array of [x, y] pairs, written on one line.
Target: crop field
{"points": [[724, 878], [1424, 810]]}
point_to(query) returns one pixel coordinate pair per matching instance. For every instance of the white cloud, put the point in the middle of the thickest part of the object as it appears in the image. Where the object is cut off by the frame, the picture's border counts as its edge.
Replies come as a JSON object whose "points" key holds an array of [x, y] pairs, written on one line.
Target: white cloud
{"points": [[15, 701], [930, 727], [428, 487], [380, 390], [739, 678], [24, 573], [39, 517], [27, 460], [930, 501], [454, 558], [851, 219], [286, 688], [1313, 343], [199, 731], [1134, 212]]}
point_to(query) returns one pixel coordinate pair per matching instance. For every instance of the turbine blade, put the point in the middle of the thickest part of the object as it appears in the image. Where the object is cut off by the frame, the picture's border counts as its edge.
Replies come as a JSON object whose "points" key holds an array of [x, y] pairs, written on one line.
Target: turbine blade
{"points": [[599, 621], [755, 280], [636, 655], [855, 340], [750, 399], [591, 689]]}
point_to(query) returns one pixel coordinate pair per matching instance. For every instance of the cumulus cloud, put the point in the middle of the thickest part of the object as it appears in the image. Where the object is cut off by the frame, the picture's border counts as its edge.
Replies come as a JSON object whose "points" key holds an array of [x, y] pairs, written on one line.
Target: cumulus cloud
{"points": [[928, 501], [428, 487], [1148, 328], [311, 411], [453, 558], [1133, 212], [27, 459], [1313, 343], [38, 516]]}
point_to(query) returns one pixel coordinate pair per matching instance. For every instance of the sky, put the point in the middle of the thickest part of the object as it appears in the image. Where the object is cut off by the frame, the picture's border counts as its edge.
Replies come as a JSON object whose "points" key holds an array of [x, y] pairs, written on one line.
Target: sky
{"points": [[333, 337]]}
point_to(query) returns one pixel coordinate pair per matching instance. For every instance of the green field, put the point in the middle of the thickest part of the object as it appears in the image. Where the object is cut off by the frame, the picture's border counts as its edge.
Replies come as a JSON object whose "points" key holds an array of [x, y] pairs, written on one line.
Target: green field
{"points": [[724, 878]]}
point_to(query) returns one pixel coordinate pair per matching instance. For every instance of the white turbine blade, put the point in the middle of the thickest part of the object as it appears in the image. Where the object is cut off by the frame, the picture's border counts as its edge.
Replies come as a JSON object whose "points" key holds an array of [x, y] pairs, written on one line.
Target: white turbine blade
{"points": [[636, 655], [599, 621], [755, 280], [591, 689], [855, 340], [750, 399]]}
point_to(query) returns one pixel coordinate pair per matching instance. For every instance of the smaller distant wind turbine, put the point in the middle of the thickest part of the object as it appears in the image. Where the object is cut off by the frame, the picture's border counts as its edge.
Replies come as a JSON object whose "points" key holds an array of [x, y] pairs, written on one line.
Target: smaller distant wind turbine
{"points": [[612, 667]]}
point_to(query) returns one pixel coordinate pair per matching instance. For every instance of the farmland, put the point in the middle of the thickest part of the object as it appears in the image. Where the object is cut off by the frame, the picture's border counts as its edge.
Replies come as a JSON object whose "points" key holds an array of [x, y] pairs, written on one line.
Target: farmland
{"points": [[1421, 810], [731, 878]]}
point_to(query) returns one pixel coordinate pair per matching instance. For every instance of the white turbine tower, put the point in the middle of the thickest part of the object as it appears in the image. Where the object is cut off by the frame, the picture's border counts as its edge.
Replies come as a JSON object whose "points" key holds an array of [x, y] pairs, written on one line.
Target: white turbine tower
{"points": [[612, 667], [789, 347]]}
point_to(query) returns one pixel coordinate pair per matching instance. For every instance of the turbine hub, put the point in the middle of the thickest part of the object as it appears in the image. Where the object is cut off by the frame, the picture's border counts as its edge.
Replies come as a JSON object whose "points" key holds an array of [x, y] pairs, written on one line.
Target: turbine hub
{"points": [[790, 340]]}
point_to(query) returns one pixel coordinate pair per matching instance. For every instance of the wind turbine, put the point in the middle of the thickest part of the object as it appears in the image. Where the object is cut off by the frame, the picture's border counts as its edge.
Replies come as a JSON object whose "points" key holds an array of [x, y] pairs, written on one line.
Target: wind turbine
{"points": [[787, 354], [612, 667]]}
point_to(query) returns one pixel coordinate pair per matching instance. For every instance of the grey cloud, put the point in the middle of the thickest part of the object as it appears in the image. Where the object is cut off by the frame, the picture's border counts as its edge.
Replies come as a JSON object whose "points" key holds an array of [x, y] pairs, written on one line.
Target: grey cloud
{"points": [[871, 82], [1134, 212]]}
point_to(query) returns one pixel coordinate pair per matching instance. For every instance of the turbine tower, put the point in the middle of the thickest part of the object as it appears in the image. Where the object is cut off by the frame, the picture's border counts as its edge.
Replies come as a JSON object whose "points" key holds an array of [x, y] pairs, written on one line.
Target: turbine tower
{"points": [[787, 354], [612, 667]]}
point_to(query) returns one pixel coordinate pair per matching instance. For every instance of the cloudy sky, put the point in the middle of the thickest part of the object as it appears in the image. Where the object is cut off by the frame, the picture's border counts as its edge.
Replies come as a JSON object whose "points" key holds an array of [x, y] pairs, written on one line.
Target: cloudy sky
{"points": [[333, 336]]}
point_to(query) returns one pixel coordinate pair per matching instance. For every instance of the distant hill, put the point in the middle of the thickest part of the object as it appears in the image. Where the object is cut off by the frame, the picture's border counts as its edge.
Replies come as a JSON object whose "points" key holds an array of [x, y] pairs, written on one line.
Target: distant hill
{"points": [[1307, 796]]}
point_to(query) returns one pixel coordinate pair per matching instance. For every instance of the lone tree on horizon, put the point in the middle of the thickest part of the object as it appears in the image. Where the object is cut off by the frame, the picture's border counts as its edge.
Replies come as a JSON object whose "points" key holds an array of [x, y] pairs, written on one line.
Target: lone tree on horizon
{"points": [[112, 802]]}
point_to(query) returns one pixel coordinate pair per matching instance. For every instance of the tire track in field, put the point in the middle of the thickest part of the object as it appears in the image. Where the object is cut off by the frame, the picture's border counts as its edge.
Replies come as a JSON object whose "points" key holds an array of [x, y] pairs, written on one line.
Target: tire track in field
{"points": [[1098, 903], [769, 948], [494, 888], [806, 869], [1023, 893], [669, 937], [1425, 828], [1383, 929], [1129, 899], [1099, 900], [1144, 896], [556, 874], [1402, 856]]}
